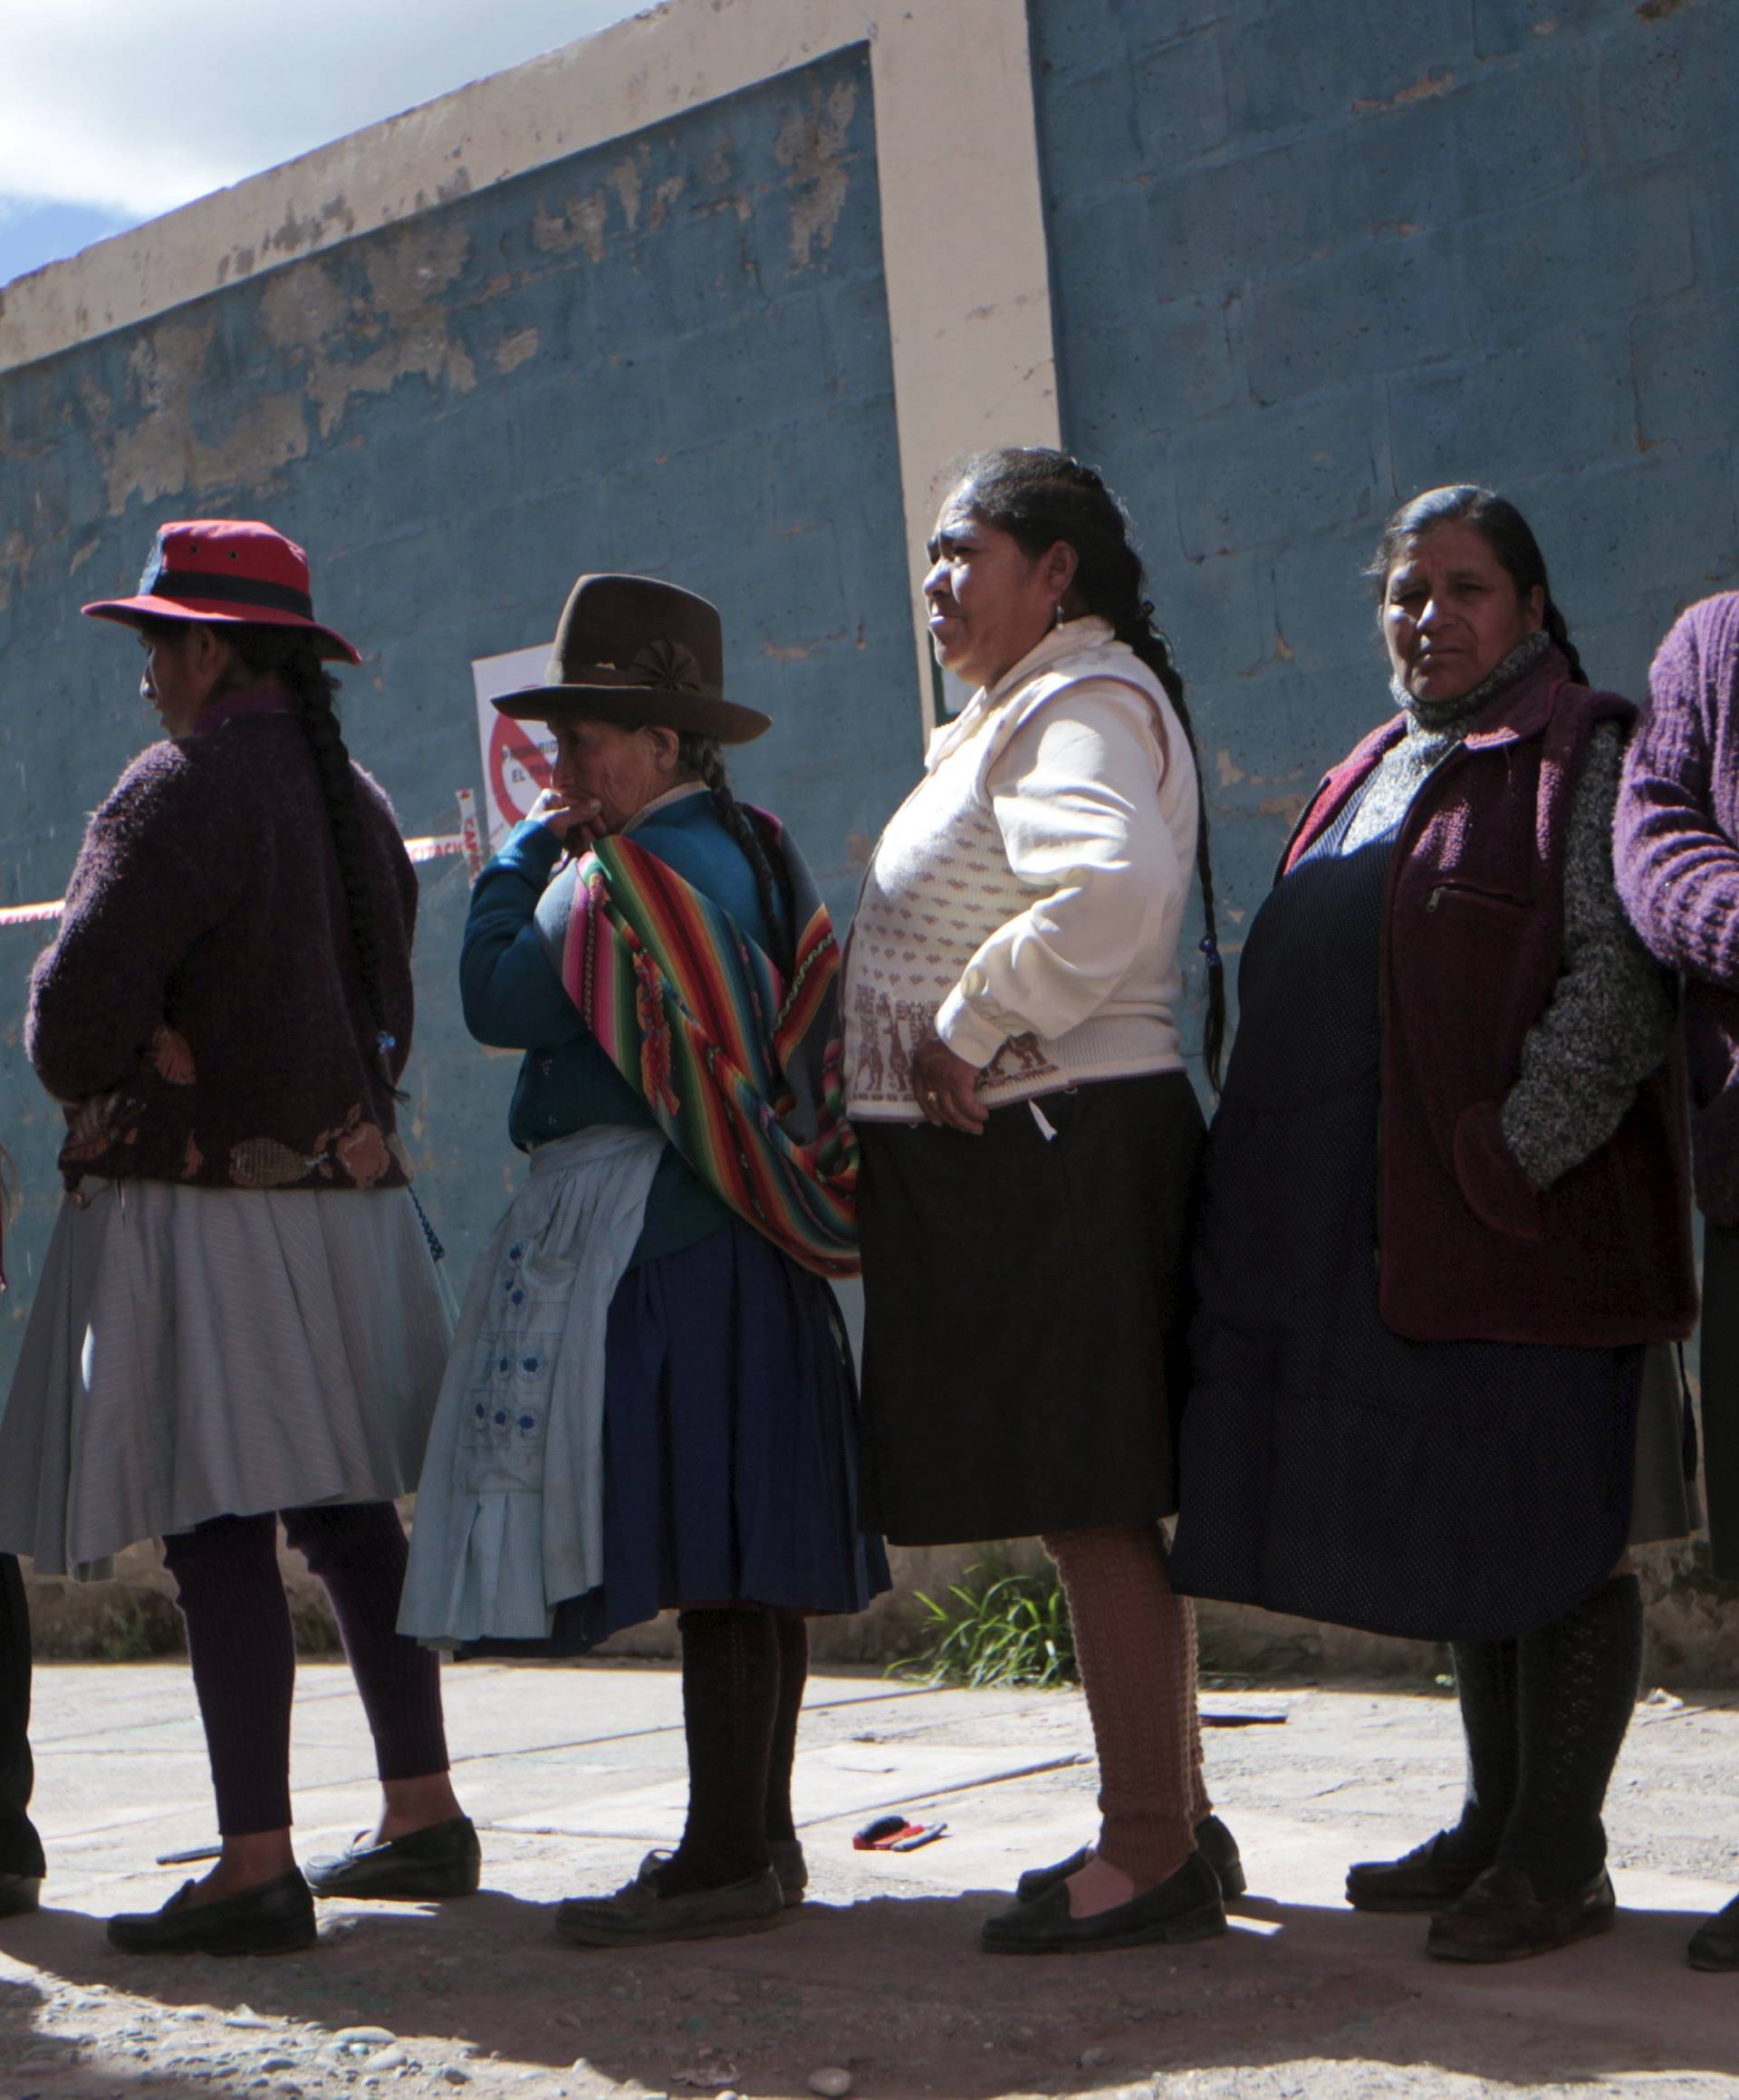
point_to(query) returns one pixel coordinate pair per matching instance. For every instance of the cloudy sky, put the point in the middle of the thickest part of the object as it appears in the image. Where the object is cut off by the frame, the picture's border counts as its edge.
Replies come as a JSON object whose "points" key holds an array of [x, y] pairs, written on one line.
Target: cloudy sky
{"points": [[112, 111]]}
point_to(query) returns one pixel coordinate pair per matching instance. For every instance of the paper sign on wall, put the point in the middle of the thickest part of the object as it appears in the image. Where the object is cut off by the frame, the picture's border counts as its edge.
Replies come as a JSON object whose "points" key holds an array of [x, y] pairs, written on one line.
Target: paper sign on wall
{"points": [[516, 755]]}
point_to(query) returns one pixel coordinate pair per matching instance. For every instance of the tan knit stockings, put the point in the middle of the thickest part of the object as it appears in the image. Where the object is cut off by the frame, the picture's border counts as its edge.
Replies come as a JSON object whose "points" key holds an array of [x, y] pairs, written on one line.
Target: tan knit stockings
{"points": [[1135, 1641]]}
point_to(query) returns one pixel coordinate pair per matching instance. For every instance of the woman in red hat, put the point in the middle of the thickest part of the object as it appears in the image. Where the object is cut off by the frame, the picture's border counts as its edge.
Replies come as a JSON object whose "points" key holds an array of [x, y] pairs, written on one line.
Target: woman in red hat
{"points": [[238, 1317]]}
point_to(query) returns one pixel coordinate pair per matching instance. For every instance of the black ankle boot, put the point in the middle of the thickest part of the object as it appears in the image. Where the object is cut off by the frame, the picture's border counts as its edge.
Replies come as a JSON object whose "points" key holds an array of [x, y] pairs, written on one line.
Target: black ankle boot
{"points": [[1577, 1684]]}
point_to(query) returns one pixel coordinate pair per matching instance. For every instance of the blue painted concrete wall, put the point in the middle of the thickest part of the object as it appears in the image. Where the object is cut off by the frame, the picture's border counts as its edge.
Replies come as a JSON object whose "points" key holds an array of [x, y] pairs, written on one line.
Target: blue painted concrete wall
{"points": [[667, 355], [1309, 260]]}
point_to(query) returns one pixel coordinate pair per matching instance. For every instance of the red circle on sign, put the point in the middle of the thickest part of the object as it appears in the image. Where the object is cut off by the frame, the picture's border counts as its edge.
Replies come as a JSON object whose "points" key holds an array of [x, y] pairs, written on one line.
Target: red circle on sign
{"points": [[509, 742]]}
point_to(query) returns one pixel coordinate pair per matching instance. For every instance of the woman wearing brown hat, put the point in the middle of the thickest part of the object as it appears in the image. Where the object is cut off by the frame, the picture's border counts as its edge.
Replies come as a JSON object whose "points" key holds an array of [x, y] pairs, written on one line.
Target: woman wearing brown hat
{"points": [[237, 1317], [650, 1403]]}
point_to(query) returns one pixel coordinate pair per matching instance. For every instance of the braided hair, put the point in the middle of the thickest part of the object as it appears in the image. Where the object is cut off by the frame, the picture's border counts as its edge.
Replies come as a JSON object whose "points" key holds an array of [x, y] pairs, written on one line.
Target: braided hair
{"points": [[288, 655], [701, 758], [1503, 530], [1039, 496]]}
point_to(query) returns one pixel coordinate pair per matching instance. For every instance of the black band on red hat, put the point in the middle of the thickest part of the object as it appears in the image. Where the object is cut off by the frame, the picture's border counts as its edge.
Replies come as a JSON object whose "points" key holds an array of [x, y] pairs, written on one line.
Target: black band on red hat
{"points": [[217, 586]]}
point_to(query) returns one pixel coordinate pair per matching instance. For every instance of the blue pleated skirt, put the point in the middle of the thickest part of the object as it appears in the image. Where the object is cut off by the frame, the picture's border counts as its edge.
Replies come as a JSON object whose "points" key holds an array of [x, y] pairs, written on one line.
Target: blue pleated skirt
{"points": [[731, 1443]]}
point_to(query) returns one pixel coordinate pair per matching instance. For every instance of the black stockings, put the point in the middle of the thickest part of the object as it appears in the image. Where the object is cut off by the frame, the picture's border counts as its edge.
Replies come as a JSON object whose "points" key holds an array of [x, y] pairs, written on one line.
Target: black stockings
{"points": [[742, 1671], [1545, 1718]]}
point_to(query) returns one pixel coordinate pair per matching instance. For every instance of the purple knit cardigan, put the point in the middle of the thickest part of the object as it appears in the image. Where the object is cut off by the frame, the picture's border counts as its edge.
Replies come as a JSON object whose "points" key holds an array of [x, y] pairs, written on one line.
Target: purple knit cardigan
{"points": [[1676, 850]]}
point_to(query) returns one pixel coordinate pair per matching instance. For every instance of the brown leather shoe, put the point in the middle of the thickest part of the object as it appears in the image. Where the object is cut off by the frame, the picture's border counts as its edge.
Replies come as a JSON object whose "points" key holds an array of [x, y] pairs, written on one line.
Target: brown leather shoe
{"points": [[1425, 1879], [1500, 1919]]}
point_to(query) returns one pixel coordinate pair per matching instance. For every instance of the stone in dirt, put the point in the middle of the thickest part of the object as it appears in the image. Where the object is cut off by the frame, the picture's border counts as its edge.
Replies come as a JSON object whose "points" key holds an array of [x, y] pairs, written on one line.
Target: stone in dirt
{"points": [[831, 2082]]}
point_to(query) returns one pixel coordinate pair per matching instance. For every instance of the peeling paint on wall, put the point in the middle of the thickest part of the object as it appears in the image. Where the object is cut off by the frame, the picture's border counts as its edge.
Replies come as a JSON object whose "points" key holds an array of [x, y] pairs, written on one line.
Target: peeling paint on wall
{"points": [[15, 555], [188, 420], [515, 348], [813, 144], [454, 415], [579, 224]]}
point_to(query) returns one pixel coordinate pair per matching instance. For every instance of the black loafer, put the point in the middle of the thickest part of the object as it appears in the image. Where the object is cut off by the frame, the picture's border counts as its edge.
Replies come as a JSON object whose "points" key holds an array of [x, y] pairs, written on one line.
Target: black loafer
{"points": [[1214, 1841], [1187, 1906], [275, 1918], [19, 1893], [443, 1860], [1715, 1944], [1425, 1879], [1503, 1919]]}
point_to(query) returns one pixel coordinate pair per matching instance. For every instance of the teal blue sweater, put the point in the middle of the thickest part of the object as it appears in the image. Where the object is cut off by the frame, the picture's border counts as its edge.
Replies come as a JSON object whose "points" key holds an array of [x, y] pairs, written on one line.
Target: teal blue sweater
{"points": [[514, 1000]]}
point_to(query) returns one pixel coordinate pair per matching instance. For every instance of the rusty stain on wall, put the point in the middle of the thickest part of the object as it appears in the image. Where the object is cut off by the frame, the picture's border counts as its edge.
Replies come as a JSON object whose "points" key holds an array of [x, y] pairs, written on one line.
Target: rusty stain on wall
{"points": [[811, 144]]}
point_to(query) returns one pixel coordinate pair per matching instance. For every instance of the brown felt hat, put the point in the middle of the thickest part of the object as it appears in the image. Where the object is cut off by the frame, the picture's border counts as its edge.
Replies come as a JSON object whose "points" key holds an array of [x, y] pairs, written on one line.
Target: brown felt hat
{"points": [[643, 654]]}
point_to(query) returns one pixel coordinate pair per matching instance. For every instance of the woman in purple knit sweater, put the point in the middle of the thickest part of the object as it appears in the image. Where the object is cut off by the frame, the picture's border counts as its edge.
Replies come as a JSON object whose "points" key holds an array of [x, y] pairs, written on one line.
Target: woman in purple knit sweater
{"points": [[237, 1317], [1675, 841]]}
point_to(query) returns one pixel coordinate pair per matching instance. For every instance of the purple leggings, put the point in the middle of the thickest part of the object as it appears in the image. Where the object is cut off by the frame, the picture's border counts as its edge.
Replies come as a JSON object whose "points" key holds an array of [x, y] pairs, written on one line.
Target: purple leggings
{"points": [[243, 1648]]}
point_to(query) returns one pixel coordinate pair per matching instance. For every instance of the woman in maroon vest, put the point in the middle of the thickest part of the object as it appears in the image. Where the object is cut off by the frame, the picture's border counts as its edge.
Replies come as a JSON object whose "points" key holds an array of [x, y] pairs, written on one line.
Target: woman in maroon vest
{"points": [[1447, 1212]]}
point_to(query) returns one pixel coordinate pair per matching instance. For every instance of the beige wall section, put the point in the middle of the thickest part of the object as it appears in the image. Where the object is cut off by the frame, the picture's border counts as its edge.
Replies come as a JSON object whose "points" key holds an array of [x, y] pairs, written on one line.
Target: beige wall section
{"points": [[963, 234]]}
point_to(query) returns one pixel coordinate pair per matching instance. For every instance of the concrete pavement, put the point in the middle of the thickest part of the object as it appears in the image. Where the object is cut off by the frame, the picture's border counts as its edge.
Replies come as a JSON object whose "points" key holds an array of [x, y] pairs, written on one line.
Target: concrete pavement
{"points": [[572, 1771]]}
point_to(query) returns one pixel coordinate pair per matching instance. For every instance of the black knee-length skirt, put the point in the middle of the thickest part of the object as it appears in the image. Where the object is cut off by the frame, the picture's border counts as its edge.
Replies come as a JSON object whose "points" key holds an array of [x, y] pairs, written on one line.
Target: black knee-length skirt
{"points": [[1026, 1304]]}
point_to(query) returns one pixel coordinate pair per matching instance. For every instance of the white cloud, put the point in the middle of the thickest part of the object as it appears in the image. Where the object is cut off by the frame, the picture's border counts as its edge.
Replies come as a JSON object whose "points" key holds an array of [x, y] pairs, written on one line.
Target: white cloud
{"points": [[132, 109]]}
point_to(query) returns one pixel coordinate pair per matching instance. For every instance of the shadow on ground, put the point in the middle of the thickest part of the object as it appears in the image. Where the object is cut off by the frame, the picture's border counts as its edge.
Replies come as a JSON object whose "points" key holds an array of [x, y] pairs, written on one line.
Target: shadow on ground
{"points": [[895, 1990]]}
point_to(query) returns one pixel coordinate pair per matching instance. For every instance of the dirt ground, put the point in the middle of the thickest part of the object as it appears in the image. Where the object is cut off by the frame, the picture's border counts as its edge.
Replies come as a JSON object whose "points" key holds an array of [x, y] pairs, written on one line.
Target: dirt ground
{"points": [[572, 1772]]}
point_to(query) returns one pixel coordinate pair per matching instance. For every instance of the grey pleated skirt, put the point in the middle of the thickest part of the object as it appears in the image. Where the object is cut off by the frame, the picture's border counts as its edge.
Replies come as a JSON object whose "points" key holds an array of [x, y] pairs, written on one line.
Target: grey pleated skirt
{"points": [[198, 1352]]}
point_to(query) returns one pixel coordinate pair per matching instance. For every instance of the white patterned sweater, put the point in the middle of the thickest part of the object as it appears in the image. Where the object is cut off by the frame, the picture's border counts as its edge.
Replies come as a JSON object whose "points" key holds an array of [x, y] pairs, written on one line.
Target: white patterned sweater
{"points": [[1025, 900]]}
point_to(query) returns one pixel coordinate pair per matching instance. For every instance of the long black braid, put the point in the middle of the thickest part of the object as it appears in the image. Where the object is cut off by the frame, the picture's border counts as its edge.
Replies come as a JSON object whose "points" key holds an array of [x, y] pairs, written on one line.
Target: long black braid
{"points": [[701, 757], [1040, 496], [285, 654], [1505, 531]]}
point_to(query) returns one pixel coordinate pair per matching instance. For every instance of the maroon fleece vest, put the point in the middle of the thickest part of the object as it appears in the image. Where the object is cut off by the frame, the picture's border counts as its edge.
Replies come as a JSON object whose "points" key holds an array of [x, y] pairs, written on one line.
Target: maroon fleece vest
{"points": [[1473, 936]]}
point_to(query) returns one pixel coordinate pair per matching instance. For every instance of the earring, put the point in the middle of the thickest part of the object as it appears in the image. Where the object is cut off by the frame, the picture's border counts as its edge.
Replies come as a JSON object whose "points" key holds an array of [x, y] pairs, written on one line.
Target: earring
{"points": [[1057, 620]]}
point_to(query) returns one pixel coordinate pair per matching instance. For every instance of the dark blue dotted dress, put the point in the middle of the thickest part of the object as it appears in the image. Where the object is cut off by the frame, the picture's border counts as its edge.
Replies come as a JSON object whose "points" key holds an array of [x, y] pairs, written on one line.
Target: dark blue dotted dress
{"points": [[1451, 1490]]}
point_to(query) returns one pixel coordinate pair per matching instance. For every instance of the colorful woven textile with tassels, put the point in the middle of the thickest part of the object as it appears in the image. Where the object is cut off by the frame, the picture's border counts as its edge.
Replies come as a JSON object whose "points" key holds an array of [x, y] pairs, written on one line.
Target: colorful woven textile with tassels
{"points": [[740, 1068]]}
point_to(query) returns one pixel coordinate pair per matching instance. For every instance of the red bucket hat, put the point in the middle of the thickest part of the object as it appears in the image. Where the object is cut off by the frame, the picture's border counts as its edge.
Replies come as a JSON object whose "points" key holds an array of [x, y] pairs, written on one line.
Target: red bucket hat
{"points": [[228, 572]]}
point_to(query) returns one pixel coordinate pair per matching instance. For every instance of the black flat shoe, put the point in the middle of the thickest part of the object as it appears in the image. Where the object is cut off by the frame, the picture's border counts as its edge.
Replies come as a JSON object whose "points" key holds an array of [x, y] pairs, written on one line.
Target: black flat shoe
{"points": [[19, 1893], [637, 1915], [1425, 1879], [443, 1860], [1187, 1906], [1502, 1919], [1715, 1944], [1214, 1841], [275, 1918]]}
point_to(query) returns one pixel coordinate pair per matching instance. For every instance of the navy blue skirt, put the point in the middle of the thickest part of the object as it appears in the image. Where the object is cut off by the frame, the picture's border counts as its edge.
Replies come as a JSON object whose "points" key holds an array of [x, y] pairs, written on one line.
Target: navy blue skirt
{"points": [[730, 1446]]}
